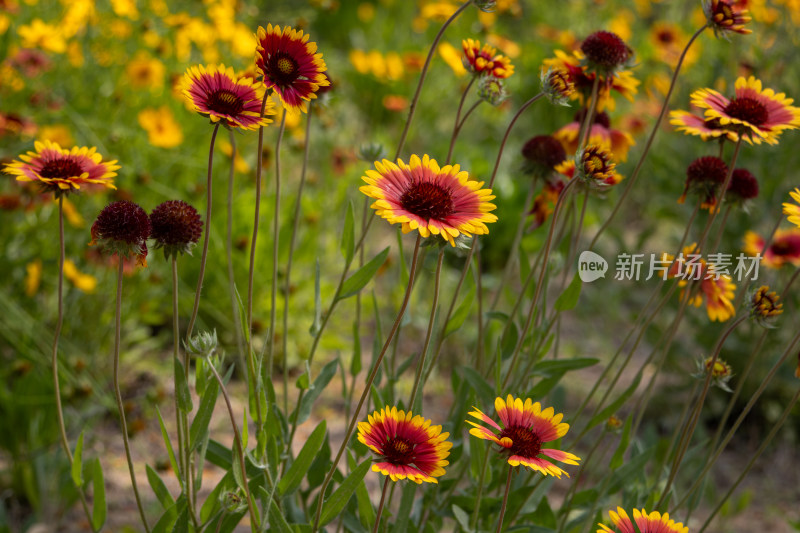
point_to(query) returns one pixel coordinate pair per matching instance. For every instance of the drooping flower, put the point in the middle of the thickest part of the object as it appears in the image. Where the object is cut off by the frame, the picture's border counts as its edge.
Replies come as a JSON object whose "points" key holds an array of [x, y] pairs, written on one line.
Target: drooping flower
{"points": [[605, 53], [545, 202], [290, 65], [594, 166], [725, 16], [716, 289], [408, 446], [645, 522], [706, 129], [421, 196], [176, 227], [764, 306], [524, 427], [60, 171], [122, 228], [485, 60], [557, 85], [743, 187], [704, 177], [793, 210], [217, 93], [542, 154], [784, 248], [755, 114], [582, 79], [601, 134]]}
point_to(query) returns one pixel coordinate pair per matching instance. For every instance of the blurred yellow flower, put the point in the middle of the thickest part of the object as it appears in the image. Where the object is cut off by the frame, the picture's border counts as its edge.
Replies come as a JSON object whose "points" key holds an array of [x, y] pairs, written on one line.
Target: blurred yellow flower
{"points": [[243, 41], [47, 37], [83, 282], [162, 129], [80, 14], [33, 277], [621, 24], [121, 29], [239, 164], [75, 54], [125, 9], [5, 22], [72, 215], [382, 67], [57, 133], [9, 77], [507, 46], [145, 72], [365, 12], [452, 56], [669, 41]]}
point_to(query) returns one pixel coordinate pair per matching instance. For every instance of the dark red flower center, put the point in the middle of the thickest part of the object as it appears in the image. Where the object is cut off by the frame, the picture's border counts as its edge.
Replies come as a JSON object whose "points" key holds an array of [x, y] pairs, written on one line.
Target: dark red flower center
{"points": [[713, 124], [788, 247], [666, 36], [606, 50], [175, 222], [63, 167], [282, 69], [544, 150], [398, 451], [427, 200], [748, 110], [525, 442], [225, 102]]}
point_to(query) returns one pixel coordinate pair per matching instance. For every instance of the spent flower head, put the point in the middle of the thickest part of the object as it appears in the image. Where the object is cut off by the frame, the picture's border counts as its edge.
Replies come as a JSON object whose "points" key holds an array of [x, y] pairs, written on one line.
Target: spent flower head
{"points": [[721, 372], [176, 227], [122, 228], [605, 53], [542, 153], [704, 176], [743, 187]]}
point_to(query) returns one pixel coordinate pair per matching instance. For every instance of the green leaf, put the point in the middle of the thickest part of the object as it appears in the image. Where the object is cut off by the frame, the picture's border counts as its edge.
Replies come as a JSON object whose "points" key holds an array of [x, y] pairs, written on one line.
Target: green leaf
{"points": [[325, 376], [618, 458], [182, 395], [236, 467], [363, 275], [167, 520], [314, 329], [334, 505], [460, 314], [365, 511], [202, 419], [159, 488], [483, 390], [568, 299], [77, 462], [168, 443], [544, 515], [347, 244], [561, 366], [277, 521], [404, 512], [99, 508], [355, 362], [297, 471], [462, 518], [245, 430]]}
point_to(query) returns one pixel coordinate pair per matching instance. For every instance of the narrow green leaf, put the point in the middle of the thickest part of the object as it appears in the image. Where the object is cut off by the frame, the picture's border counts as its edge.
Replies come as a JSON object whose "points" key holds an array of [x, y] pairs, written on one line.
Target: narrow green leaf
{"points": [[236, 465], [182, 522], [277, 521], [483, 390], [404, 512], [182, 395], [167, 520], [77, 462], [325, 376], [366, 513], [202, 419], [99, 508], [618, 458], [316, 324], [168, 443], [460, 314], [355, 362], [544, 515], [561, 366], [462, 518], [295, 474], [159, 488], [568, 299], [347, 244], [363, 275], [245, 430], [334, 505]]}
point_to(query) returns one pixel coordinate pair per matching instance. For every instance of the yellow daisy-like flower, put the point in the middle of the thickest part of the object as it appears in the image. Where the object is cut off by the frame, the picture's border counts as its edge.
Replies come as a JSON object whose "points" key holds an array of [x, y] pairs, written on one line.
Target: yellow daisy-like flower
{"points": [[706, 129], [485, 60], [162, 128], [421, 196], [408, 446], [654, 522], [60, 170], [755, 113], [793, 210], [523, 428]]}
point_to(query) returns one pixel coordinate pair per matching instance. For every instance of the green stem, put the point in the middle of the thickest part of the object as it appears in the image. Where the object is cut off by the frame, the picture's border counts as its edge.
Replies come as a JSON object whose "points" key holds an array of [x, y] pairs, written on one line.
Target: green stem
{"points": [[423, 74], [368, 385], [380, 505], [583, 137], [237, 324], [505, 500], [514, 119], [255, 381], [54, 361], [632, 180], [431, 321], [292, 243], [477, 511], [118, 394], [456, 126], [204, 256], [237, 438], [276, 227]]}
